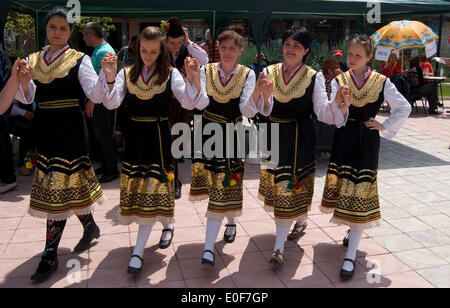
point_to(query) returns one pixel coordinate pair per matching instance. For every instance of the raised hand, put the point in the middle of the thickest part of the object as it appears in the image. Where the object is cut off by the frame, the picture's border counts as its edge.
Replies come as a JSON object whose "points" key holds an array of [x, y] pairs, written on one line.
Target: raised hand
{"points": [[267, 89], [109, 66], [16, 68], [347, 95], [192, 67], [265, 85], [186, 35], [193, 71], [25, 74]]}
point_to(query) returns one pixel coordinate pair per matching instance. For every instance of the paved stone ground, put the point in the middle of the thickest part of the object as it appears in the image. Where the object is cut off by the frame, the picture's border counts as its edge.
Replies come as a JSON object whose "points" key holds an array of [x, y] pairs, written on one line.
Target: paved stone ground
{"points": [[410, 249]]}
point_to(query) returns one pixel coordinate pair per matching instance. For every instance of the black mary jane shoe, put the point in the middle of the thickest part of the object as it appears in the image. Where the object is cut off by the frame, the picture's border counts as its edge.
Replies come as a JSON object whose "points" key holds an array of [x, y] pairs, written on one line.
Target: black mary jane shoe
{"points": [[45, 270], [135, 270], [346, 275], [163, 244], [207, 261], [346, 240], [229, 238]]}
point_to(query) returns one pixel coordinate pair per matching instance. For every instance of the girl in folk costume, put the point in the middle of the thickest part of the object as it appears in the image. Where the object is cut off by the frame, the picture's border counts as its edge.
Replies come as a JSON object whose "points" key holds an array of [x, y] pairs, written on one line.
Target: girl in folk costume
{"points": [[229, 88], [180, 47], [147, 182], [351, 183], [298, 92], [57, 79]]}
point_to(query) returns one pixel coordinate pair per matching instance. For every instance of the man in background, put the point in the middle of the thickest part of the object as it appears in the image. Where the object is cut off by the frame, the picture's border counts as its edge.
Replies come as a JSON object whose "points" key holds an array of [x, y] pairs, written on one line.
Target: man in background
{"points": [[103, 119]]}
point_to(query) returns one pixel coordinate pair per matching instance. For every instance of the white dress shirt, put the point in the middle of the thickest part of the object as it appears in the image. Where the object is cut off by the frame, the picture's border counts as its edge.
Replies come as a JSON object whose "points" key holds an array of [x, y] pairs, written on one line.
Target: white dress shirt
{"points": [[185, 93], [196, 52]]}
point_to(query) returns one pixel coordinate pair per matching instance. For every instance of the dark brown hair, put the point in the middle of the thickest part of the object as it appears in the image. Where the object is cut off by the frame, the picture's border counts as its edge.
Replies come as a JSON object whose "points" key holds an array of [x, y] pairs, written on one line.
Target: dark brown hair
{"points": [[175, 27], [162, 65], [58, 12], [329, 65], [235, 33], [368, 45], [414, 62]]}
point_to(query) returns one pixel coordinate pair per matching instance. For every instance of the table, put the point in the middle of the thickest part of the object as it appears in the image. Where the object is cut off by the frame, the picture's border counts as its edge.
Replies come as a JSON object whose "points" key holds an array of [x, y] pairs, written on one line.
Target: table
{"points": [[438, 80]]}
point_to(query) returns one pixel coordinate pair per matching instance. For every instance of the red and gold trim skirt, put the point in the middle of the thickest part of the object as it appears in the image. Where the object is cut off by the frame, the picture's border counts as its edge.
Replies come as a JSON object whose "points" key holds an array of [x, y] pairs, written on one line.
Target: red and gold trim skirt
{"points": [[352, 196], [288, 205], [64, 188], [144, 199], [206, 183]]}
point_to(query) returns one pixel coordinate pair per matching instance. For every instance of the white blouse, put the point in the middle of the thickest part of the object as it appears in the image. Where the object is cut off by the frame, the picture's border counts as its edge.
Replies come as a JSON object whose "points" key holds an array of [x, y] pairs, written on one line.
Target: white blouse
{"points": [[87, 77], [247, 106], [326, 110], [400, 107], [196, 52], [185, 93]]}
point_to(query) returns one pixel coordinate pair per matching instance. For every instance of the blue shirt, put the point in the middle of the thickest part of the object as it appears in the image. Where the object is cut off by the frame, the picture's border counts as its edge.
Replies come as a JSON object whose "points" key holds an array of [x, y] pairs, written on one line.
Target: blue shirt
{"points": [[98, 55]]}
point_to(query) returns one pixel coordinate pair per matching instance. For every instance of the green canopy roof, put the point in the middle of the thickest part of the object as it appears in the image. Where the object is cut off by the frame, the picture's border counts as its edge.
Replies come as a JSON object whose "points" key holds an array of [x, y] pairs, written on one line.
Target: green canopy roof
{"points": [[259, 12], [332, 7]]}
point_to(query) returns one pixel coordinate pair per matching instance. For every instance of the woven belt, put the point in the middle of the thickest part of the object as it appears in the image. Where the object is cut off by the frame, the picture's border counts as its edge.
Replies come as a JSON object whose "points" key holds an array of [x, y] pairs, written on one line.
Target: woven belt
{"points": [[67, 103], [218, 118], [356, 120], [279, 120], [149, 119]]}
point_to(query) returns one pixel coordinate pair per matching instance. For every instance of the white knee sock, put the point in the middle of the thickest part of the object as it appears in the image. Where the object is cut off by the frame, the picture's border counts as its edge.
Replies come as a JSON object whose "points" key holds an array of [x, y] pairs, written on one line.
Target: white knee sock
{"points": [[282, 233], [354, 238], [212, 230], [166, 235], [230, 230], [141, 241]]}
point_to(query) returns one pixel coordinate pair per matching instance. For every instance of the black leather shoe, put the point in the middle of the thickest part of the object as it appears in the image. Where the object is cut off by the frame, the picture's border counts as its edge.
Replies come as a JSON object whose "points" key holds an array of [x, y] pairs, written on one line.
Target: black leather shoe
{"points": [[229, 238], [345, 275], [345, 240], [163, 244], [45, 269], [207, 261], [433, 111], [88, 237], [135, 270], [106, 178]]}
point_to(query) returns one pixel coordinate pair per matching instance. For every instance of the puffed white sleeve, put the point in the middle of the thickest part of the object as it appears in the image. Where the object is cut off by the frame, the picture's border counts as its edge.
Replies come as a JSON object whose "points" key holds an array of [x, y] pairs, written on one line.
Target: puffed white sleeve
{"points": [[246, 105], [187, 94], [400, 110], [89, 80], [327, 111], [112, 99], [264, 109], [29, 98], [198, 53]]}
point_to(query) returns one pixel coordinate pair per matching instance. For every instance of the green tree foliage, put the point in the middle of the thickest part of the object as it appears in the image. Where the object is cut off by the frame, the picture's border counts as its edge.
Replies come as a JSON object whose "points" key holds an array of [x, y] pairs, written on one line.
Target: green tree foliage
{"points": [[23, 26]]}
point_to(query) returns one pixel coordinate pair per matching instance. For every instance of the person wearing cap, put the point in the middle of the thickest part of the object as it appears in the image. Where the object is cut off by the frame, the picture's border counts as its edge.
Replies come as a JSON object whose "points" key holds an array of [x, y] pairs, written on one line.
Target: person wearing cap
{"points": [[337, 58]]}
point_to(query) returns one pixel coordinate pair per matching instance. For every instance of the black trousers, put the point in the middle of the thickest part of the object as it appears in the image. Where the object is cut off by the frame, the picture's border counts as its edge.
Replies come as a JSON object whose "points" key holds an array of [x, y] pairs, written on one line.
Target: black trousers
{"points": [[7, 175], [430, 91], [103, 125], [21, 127]]}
